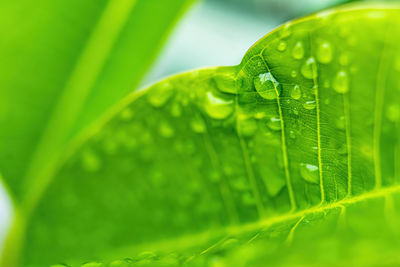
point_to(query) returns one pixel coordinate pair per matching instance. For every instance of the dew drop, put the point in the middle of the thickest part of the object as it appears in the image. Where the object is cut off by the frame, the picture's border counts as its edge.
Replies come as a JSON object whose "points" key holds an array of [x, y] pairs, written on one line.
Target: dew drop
{"points": [[342, 149], [90, 161], [198, 125], [310, 104], [119, 263], [281, 46], [293, 74], [160, 94], [296, 92], [92, 264], [226, 83], [341, 83], [292, 134], [324, 53], [266, 85], [298, 50], [126, 114], [274, 124], [166, 130], [176, 110], [218, 108], [309, 68], [341, 123], [246, 126], [285, 31], [393, 113], [344, 59], [309, 173], [248, 199]]}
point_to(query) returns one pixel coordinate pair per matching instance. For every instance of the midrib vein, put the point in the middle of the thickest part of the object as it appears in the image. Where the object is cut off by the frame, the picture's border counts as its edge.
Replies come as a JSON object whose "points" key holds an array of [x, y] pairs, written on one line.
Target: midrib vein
{"points": [[318, 111], [187, 241], [346, 108], [283, 141]]}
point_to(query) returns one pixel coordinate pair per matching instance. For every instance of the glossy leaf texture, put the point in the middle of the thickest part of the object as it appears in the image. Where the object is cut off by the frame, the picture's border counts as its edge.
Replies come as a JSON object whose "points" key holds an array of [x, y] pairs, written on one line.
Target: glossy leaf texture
{"points": [[296, 146], [63, 64]]}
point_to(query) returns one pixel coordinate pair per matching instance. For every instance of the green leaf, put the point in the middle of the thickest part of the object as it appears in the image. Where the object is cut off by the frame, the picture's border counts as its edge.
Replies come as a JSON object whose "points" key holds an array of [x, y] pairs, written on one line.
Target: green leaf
{"points": [[201, 166], [62, 65]]}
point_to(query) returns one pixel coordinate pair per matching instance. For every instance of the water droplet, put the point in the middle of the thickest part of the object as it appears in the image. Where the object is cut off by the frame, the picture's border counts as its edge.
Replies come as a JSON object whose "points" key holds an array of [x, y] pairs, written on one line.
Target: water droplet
{"points": [[292, 134], [248, 199], [309, 68], [198, 125], [126, 114], [226, 83], [119, 263], [218, 108], [176, 110], [160, 94], [342, 149], [344, 59], [309, 173], [341, 123], [92, 264], [298, 51], [393, 113], [281, 46], [274, 124], [285, 31], [295, 111], [324, 53], [266, 85], [166, 130], [296, 92], [293, 74], [146, 255], [310, 104], [90, 161], [246, 126], [341, 83]]}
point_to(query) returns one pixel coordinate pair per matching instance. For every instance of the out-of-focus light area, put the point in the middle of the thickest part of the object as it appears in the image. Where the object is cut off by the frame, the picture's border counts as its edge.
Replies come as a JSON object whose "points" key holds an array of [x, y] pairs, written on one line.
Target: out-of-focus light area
{"points": [[219, 32], [211, 33]]}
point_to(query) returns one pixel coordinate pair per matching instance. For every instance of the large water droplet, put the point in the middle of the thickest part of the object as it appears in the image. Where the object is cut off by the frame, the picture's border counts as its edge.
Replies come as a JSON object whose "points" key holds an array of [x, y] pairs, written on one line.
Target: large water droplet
{"points": [[341, 123], [281, 46], [309, 68], [198, 125], [393, 113], [92, 264], [166, 130], [160, 94], [119, 263], [90, 161], [274, 124], [324, 53], [267, 86], [247, 126], [309, 173], [341, 83], [298, 50], [218, 108], [310, 104], [226, 83], [296, 92]]}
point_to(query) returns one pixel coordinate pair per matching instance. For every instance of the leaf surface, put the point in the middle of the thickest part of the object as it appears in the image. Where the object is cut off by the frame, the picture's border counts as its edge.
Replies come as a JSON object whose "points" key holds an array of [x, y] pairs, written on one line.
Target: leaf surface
{"points": [[201, 166]]}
